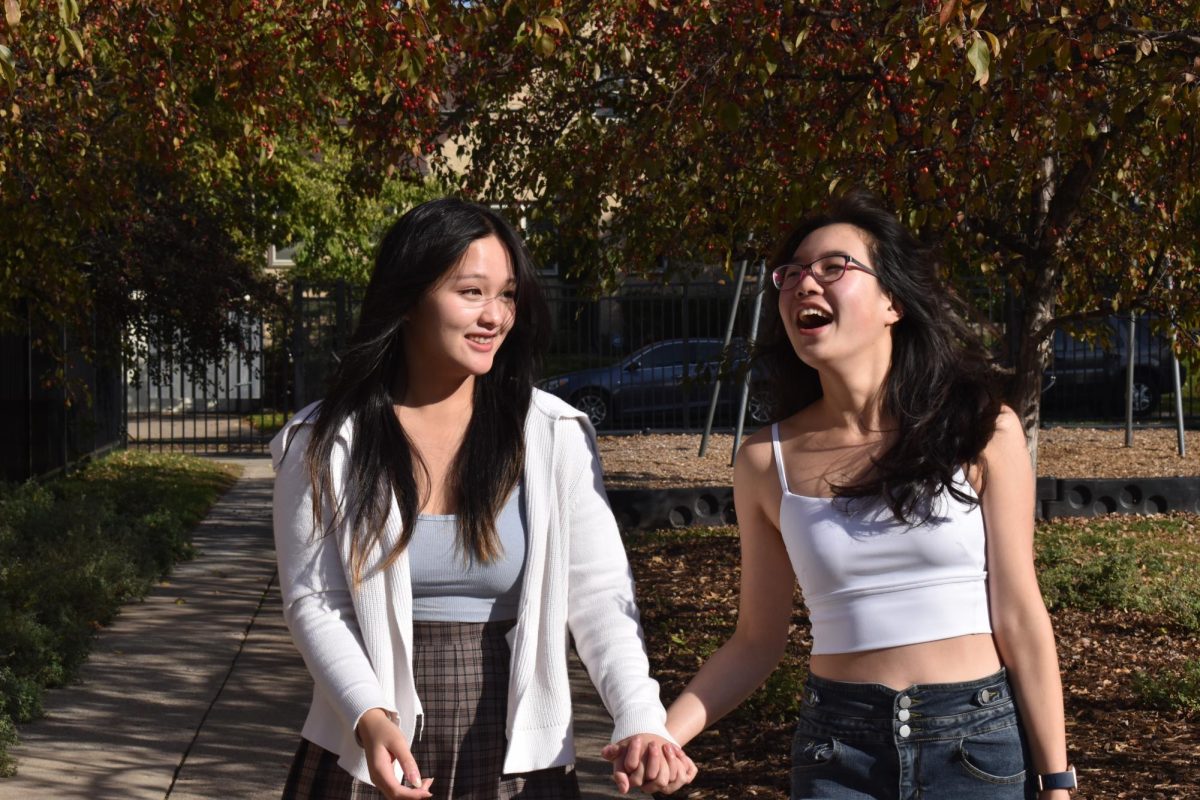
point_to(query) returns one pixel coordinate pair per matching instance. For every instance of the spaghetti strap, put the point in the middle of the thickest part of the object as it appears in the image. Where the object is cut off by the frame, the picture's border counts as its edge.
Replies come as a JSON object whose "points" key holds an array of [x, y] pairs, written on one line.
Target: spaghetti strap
{"points": [[779, 457]]}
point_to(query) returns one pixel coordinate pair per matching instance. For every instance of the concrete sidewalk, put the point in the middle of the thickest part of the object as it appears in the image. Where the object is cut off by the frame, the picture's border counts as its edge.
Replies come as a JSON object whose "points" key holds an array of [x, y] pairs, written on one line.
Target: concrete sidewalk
{"points": [[197, 692]]}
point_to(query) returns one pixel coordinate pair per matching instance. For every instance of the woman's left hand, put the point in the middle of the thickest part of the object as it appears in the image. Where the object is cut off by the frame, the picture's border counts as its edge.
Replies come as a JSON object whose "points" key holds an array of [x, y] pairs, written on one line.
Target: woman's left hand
{"points": [[650, 763]]}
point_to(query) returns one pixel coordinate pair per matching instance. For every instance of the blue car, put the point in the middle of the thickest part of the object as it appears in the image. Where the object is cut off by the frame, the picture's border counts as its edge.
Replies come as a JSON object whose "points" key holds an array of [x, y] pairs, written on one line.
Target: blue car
{"points": [[1089, 375], [664, 384]]}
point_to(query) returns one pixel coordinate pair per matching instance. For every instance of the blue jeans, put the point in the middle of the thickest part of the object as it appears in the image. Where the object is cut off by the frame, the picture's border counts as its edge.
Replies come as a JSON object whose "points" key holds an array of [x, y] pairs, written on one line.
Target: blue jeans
{"points": [[864, 741]]}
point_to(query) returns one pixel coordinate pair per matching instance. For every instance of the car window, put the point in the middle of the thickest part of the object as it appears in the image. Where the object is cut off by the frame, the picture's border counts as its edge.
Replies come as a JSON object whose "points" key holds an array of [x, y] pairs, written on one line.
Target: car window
{"points": [[708, 351], [664, 355], [1148, 339]]}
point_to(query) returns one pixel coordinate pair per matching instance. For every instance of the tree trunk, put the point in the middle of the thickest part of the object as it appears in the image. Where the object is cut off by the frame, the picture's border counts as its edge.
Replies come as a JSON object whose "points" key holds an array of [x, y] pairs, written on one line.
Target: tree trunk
{"points": [[1032, 355], [1034, 351]]}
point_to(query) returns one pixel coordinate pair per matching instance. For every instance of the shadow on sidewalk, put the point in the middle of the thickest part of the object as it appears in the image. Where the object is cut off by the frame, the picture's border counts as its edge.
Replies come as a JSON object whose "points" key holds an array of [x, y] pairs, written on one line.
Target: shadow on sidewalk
{"points": [[197, 693]]}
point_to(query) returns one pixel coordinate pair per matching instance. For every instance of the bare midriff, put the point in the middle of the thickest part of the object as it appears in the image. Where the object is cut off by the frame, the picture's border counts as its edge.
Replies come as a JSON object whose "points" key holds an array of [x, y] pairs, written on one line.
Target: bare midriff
{"points": [[960, 658]]}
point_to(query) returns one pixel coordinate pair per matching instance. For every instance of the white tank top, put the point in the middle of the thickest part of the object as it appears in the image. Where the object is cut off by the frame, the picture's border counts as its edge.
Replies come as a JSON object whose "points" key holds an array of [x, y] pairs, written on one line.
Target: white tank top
{"points": [[870, 581]]}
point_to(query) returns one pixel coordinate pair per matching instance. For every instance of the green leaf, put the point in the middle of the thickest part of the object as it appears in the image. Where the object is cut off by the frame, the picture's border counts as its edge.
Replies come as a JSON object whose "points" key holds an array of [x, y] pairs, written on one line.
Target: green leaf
{"points": [[1062, 55], [67, 12], [993, 42], [980, 59], [544, 44], [890, 135], [7, 67], [729, 115], [75, 40], [552, 22]]}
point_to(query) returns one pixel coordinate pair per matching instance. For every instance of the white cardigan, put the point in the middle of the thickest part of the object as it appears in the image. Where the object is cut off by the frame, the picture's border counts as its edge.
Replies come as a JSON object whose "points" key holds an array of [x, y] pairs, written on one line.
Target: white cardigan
{"points": [[357, 643]]}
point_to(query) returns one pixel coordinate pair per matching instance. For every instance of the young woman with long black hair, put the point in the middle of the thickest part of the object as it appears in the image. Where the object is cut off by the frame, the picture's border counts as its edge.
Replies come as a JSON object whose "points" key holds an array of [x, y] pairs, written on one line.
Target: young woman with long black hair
{"points": [[897, 488], [441, 526]]}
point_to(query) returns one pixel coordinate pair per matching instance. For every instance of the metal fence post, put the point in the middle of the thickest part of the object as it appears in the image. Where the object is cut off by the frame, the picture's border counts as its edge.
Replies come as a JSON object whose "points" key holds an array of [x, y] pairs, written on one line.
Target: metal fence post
{"points": [[755, 314], [712, 404], [298, 392], [1181, 445], [1131, 357]]}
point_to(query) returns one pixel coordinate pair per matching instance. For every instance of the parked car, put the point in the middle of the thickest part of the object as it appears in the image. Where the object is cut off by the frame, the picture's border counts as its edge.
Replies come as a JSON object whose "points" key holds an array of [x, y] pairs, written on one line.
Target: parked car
{"points": [[666, 383], [1085, 374]]}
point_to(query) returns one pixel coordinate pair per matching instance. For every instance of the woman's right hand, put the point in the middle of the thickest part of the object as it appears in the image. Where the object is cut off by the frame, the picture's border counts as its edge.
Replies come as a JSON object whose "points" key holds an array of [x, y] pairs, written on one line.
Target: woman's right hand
{"points": [[384, 744], [650, 763]]}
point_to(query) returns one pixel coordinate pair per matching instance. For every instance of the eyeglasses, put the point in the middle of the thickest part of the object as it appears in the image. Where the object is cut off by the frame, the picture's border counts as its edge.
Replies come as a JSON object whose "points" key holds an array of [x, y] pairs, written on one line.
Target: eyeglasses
{"points": [[825, 270]]}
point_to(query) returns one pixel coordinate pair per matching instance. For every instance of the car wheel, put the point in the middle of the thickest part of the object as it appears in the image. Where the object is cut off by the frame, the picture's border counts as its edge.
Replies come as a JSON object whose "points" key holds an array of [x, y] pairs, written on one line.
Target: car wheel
{"points": [[758, 406], [594, 403], [1145, 396]]}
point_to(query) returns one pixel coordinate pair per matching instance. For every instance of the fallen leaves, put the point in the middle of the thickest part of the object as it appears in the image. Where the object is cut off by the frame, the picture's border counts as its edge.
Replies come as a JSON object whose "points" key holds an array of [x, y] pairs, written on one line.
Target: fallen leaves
{"points": [[669, 460], [1122, 749]]}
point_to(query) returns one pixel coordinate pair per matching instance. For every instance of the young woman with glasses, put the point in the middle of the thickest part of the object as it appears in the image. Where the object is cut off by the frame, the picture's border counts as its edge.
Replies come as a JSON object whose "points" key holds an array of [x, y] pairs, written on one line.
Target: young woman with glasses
{"points": [[897, 488], [441, 526]]}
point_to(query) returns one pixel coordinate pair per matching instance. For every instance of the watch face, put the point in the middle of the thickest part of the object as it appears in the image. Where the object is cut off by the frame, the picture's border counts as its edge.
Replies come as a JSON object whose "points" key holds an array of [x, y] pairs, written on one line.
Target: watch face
{"points": [[1057, 780]]}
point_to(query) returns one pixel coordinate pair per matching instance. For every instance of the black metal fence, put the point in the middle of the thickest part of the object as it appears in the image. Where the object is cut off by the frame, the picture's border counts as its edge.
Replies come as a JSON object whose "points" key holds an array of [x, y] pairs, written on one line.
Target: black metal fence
{"points": [[237, 403], [642, 358], [231, 404], [1088, 379], [53, 413], [651, 355], [323, 318], [645, 357]]}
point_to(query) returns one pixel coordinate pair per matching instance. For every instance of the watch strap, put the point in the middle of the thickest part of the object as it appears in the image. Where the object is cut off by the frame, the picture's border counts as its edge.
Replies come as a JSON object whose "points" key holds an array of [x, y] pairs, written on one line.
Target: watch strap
{"points": [[1058, 780]]}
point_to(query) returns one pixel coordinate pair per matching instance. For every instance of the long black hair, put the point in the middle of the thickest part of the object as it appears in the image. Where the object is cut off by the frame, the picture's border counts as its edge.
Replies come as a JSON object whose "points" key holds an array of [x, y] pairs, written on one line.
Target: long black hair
{"points": [[941, 388], [419, 250]]}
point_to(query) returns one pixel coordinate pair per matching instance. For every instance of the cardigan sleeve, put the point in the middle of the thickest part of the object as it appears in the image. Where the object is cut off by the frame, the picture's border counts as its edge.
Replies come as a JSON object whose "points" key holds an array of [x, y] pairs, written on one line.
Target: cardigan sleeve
{"points": [[317, 603], [602, 613]]}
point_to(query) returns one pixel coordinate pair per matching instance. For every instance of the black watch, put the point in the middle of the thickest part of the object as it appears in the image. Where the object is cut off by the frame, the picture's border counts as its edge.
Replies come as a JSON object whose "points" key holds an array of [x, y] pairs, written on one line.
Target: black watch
{"points": [[1058, 780]]}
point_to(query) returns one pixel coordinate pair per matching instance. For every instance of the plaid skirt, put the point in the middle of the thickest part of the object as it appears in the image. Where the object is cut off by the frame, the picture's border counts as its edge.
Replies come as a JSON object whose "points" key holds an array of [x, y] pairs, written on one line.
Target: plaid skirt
{"points": [[461, 671]]}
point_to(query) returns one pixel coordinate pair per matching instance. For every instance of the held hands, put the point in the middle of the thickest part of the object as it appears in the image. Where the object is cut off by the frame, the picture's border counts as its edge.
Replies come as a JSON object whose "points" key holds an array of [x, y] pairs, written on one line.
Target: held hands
{"points": [[650, 763], [384, 744]]}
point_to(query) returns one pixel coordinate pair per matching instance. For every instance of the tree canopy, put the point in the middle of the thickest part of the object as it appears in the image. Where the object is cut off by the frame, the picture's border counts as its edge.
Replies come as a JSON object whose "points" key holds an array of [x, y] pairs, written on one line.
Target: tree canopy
{"points": [[1050, 148], [150, 151]]}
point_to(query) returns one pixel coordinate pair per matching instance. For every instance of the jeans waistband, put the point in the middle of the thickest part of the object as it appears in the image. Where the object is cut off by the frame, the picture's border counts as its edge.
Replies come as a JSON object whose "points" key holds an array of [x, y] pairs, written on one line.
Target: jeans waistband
{"points": [[925, 709]]}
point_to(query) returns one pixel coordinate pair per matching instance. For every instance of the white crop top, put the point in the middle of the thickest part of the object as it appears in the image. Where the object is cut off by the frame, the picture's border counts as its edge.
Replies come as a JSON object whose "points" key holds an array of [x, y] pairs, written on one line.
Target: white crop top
{"points": [[870, 581]]}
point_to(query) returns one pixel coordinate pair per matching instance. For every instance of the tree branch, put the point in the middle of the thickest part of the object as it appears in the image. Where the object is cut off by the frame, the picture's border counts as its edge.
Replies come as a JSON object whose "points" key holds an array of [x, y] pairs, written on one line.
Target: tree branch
{"points": [[1190, 39]]}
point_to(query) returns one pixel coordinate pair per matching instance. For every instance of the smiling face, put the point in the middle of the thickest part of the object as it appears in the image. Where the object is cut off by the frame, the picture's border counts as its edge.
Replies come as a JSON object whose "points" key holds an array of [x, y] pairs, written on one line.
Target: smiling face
{"points": [[848, 319], [456, 329]]}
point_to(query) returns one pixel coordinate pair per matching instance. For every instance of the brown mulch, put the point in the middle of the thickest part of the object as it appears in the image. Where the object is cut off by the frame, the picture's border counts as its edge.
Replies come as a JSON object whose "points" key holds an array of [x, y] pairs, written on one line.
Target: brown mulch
{"points": [[1121, 750], [656, 461]]}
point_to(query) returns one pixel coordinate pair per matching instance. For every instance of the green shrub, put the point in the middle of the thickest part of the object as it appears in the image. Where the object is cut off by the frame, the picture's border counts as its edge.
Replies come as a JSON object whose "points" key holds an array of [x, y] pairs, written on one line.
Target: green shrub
{"points": [[8, 738], [73, 550], [268, 421], [1172, 689], [779, 698], [20, 697], [1087, 581], [1125, 563]]}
